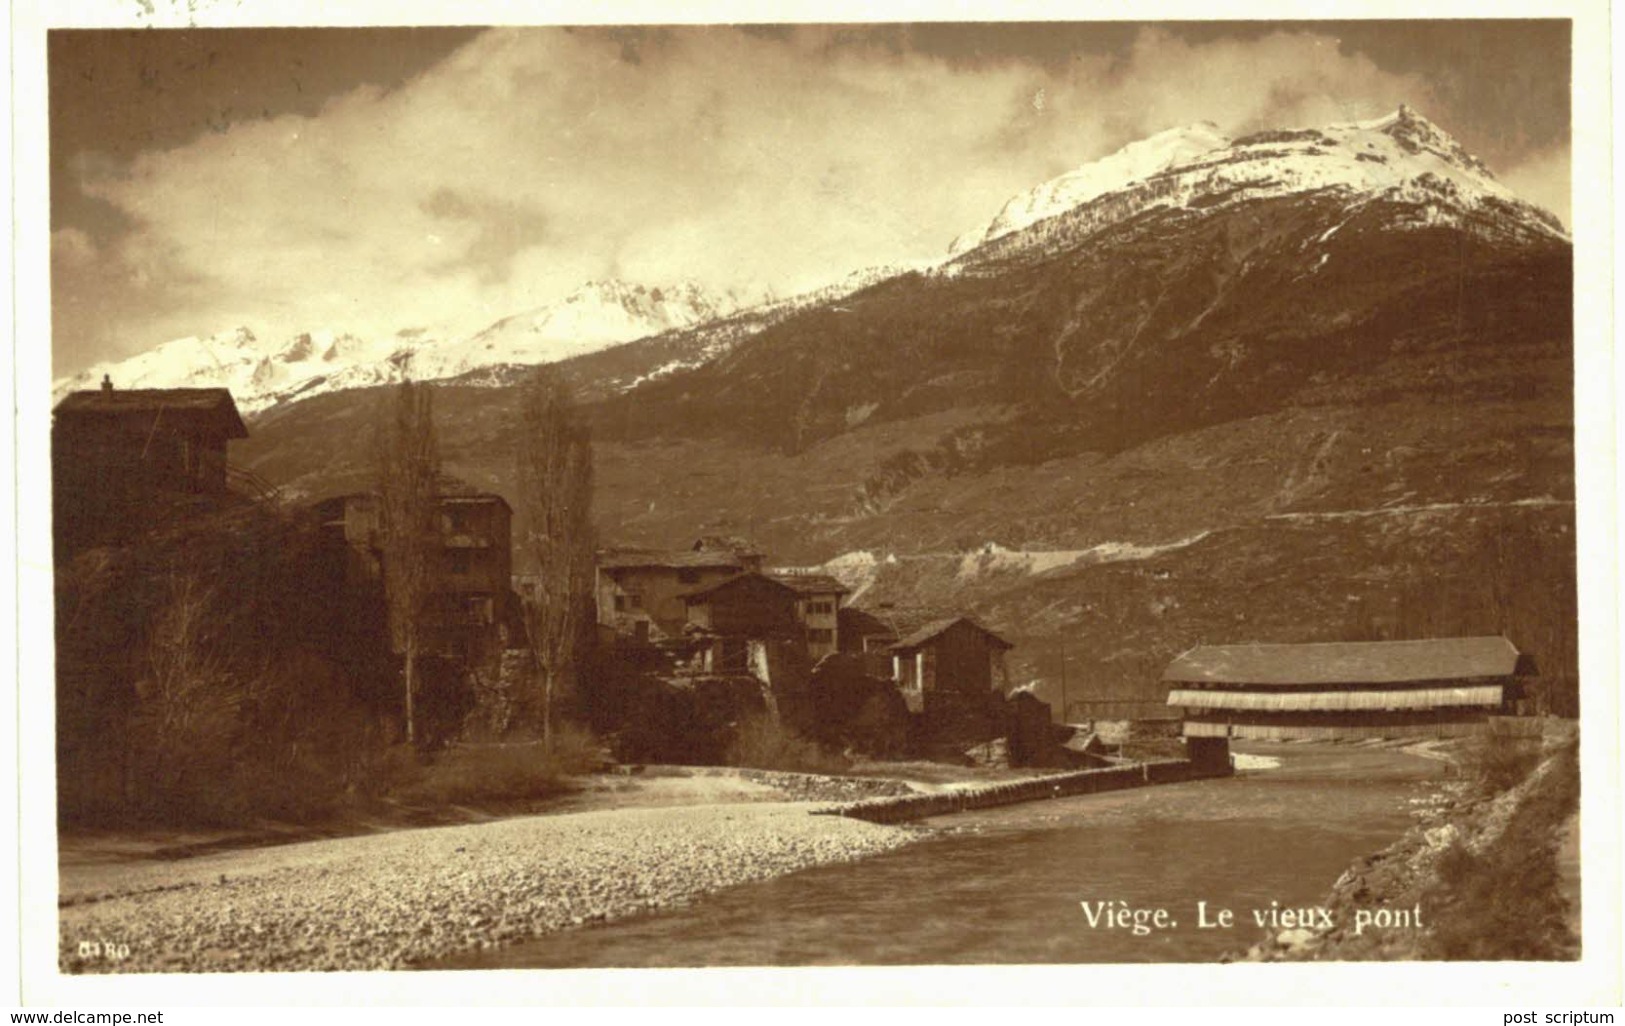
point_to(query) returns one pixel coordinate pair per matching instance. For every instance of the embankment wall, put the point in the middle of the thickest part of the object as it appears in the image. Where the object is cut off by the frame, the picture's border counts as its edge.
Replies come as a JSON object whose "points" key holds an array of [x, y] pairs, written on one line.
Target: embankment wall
{"points": [[1058, 785]]}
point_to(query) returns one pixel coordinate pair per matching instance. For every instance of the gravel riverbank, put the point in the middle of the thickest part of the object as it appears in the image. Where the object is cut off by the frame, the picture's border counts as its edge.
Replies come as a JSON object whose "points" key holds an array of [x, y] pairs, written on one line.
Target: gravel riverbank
{"points": [[388, 901]]}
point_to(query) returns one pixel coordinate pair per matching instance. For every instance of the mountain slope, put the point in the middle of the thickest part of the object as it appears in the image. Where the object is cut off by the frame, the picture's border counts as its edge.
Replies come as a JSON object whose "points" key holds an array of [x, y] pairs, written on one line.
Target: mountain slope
{"points": [[1236, 277], [1278, 392]]}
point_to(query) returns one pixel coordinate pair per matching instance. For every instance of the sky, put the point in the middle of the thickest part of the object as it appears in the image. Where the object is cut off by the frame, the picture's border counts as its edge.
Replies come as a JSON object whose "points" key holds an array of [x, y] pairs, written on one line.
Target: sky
{"points": [[375, 180]]}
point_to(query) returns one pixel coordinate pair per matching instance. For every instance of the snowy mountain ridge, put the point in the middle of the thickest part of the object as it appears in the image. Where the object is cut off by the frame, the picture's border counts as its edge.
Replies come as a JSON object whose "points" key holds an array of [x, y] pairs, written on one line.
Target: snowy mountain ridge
{"points": [[1133, 162], [1401, 156], [595, 316]]}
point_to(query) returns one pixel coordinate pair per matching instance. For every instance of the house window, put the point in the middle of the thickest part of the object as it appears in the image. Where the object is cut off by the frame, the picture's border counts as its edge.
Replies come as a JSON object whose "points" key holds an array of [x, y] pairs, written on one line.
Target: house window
{"points": [[620, 603], [459, 561], [635, 600], [823, 608], [820, 635]]}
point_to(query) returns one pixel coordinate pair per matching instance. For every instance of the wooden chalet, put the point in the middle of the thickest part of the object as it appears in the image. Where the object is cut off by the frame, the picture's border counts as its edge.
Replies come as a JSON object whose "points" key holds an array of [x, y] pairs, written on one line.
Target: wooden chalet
{"points": [[864, 631], [868, 636], [170, 439], [947, 660], [119, 457], [1440, 687]]}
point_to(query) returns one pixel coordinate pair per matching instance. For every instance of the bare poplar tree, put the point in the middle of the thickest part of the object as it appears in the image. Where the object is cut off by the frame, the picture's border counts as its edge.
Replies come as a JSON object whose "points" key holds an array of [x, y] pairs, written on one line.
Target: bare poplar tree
{"points": [[408, 468], [555, 493]]}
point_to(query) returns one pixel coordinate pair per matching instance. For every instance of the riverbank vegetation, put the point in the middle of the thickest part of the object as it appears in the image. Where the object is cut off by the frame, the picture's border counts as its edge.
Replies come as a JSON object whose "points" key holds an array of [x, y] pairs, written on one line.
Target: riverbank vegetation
{"points": [[1502, 897], [1484, 865], [209, 675]]}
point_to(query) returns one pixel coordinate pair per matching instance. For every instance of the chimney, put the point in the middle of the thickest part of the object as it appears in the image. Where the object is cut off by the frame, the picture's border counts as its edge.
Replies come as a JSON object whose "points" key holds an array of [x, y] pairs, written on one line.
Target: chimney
{"points": [[107, 382]]}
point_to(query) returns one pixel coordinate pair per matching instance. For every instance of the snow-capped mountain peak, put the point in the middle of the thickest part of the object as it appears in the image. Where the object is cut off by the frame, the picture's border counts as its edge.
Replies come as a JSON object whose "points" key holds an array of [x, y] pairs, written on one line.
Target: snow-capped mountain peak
{"points": [[1402, 157], [1133, 162]]}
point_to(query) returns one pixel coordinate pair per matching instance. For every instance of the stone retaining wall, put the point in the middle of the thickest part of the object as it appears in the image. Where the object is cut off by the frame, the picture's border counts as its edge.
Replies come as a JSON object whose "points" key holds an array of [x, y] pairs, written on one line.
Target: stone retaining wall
{"points": [[1058, 785]]}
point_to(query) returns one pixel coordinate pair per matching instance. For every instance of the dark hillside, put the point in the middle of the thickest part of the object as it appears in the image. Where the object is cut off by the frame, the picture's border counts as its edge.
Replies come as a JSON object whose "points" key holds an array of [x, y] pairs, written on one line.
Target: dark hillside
{"points": [[1296, 418], [1165, 322]]}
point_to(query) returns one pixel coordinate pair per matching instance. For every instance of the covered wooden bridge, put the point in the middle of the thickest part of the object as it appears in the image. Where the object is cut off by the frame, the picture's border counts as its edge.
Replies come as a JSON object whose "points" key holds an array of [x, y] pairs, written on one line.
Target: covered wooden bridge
{"points": [[1439, 687]]}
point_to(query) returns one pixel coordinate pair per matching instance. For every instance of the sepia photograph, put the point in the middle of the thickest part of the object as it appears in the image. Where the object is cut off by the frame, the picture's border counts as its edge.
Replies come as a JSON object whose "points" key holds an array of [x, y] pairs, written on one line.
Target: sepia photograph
{"points": [[814, 494]]}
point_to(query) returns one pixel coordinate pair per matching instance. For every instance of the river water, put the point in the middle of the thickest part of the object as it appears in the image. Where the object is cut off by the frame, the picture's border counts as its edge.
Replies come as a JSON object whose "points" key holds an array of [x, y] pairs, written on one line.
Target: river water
{"points": [[1005, 885]]}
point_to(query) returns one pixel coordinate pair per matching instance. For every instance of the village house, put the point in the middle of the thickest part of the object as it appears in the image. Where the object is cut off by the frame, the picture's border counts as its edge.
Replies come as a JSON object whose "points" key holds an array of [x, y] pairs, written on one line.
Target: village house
{"points": [[476, 612], [868, 637], [1438, 687], [116, 453], [862, 631], [640, 592], [947, 661], [818, 606], [736, 621], [473, 612], [168, 439], [796, 609]]}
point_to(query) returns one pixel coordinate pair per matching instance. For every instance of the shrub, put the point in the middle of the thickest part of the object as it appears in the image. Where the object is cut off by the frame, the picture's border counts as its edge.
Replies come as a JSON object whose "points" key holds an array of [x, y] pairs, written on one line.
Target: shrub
{"points": [[476, 774], [760, 742], [1498, 764], [470, 775], [576, 750]]}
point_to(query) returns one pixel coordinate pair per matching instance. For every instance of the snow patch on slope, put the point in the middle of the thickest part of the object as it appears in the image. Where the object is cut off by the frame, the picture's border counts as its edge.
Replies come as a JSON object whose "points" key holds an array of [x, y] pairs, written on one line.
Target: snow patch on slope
{"points": [[993, 558]]}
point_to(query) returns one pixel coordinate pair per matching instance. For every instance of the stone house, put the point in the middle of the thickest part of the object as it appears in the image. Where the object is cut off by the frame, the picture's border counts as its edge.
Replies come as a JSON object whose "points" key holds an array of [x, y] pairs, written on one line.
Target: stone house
{"points": [[473, 612], [640, 593]]}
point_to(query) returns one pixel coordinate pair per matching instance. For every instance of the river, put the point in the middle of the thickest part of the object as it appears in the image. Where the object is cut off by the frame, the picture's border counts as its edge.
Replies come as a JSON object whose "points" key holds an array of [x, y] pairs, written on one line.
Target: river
{"points": [[1005, 885]]}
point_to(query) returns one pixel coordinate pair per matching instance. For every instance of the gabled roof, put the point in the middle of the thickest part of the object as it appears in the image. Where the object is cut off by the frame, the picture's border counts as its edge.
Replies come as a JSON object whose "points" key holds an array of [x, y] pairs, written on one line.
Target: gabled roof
{"points": [[211, 403], [810, 584], [1347, 662], [635, 559], [863, 623], [936, 627], [731, 582]]}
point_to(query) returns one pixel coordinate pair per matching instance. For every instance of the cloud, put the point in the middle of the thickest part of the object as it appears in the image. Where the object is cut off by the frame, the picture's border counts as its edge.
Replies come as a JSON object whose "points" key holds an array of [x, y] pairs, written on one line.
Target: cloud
{"points": [[72, 248], [1544, 180], [531, 160]]}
